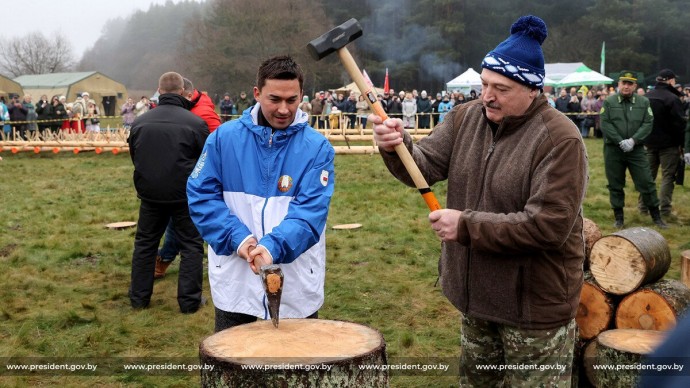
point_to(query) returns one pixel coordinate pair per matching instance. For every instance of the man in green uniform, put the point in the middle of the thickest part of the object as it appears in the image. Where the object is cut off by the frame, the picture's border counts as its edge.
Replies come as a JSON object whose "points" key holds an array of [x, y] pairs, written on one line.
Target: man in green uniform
{"points": [[626, 120]]}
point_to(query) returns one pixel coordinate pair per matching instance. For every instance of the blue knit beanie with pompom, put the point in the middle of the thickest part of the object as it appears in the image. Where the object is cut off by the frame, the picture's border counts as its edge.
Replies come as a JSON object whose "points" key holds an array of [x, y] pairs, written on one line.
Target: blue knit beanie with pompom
{"points": [[520, 57]]}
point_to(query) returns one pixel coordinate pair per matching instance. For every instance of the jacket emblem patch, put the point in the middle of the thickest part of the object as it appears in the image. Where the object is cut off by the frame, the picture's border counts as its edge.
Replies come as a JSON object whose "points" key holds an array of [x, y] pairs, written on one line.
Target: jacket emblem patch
{"points": [[284, 183], [324, 178]]}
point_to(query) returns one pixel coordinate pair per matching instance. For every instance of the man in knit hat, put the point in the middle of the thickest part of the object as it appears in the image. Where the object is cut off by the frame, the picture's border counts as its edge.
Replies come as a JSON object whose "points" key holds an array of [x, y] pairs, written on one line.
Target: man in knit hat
{"points": [[512, 245]]}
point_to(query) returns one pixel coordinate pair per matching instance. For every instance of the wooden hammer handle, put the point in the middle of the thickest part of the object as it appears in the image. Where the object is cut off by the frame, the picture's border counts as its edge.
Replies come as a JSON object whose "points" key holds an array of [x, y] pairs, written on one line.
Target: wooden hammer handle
{"points": [[370, 96]]}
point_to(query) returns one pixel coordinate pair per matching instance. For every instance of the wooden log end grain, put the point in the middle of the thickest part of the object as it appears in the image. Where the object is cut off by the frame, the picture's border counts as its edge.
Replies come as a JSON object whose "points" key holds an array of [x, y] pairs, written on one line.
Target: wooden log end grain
{"points": [[623, 347], [655, 306], [310, 344], [595, 312], [627, 259]]}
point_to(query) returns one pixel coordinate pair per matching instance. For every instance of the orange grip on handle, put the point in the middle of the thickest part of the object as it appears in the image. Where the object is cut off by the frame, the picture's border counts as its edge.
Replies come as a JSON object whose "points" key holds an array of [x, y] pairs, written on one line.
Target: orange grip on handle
{"points": [[431, 201], [378, 110]]}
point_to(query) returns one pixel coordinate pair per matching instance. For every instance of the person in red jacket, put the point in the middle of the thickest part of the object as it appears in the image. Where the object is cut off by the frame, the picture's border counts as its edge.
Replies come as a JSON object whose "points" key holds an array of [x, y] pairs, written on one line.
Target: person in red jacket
{"points": [[202, 106]]}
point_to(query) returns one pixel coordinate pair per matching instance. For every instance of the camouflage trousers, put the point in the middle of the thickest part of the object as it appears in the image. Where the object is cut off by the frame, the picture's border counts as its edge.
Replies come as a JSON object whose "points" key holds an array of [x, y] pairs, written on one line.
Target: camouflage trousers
{"points": [[497, 355]]}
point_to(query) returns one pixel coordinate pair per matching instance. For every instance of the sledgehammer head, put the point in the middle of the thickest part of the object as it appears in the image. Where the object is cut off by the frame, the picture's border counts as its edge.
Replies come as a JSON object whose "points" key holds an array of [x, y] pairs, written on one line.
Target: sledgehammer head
{"points": [[335, 39]]}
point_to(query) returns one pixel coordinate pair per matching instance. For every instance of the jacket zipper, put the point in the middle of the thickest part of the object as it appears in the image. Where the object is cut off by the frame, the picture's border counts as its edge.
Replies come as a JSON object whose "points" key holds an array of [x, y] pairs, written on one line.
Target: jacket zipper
{"points": [[476, 206], [625, 116], [264, 301], [268, 183]]}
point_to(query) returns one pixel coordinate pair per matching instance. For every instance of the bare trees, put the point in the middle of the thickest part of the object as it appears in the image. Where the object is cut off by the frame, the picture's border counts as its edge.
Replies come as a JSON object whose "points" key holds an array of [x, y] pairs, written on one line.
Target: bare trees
{"points": [[223, 49], [35, 54]]}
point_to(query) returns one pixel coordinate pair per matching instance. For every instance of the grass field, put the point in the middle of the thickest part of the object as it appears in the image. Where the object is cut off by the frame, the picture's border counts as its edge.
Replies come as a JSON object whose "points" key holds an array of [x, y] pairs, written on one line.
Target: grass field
{"points": [[65, 276]]}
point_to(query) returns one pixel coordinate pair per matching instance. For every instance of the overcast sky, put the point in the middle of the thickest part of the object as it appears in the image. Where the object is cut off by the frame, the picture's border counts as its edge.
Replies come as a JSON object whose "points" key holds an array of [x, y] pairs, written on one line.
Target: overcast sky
{"points": [[80, 21]]}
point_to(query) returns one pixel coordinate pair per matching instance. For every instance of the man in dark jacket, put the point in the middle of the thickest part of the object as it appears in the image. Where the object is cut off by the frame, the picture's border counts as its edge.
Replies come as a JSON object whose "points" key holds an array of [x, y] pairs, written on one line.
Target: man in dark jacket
{"points": [[664, 144], [203, 107], [395, 107], [18, 112], [243, 102], [423, 110], [435, 115], [226, 107], [349, 107], [165, 144], [562, 101]]}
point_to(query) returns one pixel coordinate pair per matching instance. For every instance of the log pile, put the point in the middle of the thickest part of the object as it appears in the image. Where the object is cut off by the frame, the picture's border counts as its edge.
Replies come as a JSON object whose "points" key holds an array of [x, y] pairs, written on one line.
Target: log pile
{"points": [[624, 301]]}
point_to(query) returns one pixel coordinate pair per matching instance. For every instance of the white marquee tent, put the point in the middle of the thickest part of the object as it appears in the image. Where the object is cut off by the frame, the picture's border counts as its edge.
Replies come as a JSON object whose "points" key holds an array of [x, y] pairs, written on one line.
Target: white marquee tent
{"points": [[557, 71], [465, 82]]}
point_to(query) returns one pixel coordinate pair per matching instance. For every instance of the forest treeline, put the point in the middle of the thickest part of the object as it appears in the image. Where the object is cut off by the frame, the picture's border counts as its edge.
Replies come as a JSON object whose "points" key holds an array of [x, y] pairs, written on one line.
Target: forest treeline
{"points": [[423, 43]]}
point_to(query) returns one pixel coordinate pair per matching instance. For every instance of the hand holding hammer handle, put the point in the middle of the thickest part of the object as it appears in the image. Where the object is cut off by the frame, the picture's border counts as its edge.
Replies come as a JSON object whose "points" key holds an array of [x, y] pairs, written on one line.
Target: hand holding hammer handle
{"points": [[402, 151]]}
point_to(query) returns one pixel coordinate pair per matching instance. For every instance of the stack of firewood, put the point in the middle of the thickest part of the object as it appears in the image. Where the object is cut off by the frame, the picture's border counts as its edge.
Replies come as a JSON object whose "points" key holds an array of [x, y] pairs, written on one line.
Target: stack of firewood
{"points": [[625, 306]]}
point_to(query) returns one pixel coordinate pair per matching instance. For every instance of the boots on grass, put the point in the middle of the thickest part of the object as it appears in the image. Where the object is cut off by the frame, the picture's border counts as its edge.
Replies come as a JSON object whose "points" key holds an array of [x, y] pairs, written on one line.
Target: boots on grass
{"points": [[618, 214], [161, 267], [656, 217]]}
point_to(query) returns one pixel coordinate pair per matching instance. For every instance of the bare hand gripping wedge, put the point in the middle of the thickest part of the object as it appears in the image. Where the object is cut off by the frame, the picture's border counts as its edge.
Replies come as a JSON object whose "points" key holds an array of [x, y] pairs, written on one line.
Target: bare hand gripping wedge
{"points": [[272, 279], [335, 40]]}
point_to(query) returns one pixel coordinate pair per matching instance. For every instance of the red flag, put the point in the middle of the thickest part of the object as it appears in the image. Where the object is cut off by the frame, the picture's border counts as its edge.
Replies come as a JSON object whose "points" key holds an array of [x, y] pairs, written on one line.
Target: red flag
{"points": [[386, 87]]}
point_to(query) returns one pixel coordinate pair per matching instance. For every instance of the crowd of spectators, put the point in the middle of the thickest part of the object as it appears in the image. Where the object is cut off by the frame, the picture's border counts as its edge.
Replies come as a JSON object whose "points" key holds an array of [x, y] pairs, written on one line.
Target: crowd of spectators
{"points": [[582, 105], [328, 109]]}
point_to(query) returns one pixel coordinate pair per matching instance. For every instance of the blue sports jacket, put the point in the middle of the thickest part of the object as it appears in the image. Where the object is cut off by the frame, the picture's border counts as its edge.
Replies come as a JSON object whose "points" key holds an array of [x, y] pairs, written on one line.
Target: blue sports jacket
{"points": [[275, 186]]}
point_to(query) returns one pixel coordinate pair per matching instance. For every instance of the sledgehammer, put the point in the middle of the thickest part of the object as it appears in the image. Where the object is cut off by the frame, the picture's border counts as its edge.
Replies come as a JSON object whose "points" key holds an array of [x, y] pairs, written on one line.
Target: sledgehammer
{"points": [[335, 40]]}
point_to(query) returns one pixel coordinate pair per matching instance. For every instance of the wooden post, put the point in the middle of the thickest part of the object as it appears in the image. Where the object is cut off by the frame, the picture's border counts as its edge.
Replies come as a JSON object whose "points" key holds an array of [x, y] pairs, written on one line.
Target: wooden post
{"points": [[685, 268]]}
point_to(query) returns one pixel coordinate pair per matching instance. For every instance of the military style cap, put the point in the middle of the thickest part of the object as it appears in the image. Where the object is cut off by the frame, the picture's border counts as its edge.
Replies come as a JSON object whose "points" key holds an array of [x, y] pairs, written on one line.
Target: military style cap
{"points": [[665, 75], [629, 76]]}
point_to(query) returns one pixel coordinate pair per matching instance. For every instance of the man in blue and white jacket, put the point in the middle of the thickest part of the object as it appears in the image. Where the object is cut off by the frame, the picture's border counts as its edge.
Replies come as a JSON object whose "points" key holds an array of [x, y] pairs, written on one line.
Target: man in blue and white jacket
{"points": [[260, 194]]}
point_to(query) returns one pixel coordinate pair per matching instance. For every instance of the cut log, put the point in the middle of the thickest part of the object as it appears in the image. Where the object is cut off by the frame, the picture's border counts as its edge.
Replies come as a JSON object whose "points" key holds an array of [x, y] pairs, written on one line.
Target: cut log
{"points": [[656, 306], [121, 225], [592, 234], [346, 226], [589, 356], [685, 268], [596, 310], [301, 353], [627, 259], [578, 377], [619, 353]]}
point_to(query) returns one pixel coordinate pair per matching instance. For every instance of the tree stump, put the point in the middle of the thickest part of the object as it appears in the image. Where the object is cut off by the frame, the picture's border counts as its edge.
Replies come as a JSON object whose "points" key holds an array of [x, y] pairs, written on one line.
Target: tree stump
{"points": [[655, 306], [619, 352], [596, 310], [627, 259], [299, 353], [592, 235], [685, 268]]}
